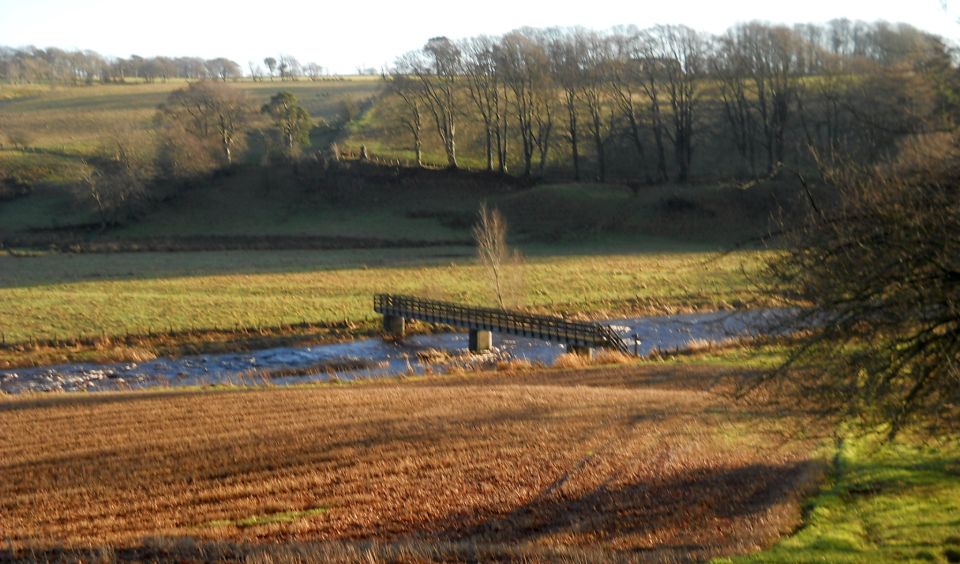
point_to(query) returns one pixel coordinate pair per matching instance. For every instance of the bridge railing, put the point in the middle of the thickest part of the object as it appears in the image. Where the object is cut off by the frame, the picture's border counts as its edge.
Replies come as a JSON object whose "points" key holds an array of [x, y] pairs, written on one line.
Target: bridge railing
{"points": [[580, 333]]}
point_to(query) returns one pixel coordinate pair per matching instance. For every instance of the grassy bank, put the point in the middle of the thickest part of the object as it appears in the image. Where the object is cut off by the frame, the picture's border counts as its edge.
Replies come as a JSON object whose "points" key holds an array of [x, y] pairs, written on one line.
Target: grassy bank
{"points": [[883, 503]]}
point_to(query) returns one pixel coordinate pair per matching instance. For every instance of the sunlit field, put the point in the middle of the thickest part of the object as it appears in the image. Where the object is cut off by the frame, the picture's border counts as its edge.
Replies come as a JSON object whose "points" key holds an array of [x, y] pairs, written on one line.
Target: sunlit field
{"points": [[583, 464], [73, 120], [64, 297]]}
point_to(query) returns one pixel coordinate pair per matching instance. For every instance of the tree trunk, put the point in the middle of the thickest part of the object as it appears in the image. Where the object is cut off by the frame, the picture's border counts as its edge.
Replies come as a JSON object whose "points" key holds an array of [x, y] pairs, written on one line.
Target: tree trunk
{"points": [[501, 153], [637, 142], [576, 153], [451, 152], [489, 148], [527, 154], [680, 157], [572, 129], [661, 149], [601, 153]]}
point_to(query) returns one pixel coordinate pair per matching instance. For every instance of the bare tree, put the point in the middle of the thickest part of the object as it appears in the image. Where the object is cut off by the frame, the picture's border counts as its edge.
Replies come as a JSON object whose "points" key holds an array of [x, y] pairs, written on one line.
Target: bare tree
{"points": [[90, 186], [524, 67], [410, 94], [772, 63], [731, 69], [271, 65], [209, 110], [181, 154], [256, 71], [652, 70], [625, 77], [544, 99], [878, 278], [565, 57], [118, 184], [223, 69], [313, 71], [490, 235], [289, 67], [483, 85], [438, 69], [595, 62], [684, 52]]}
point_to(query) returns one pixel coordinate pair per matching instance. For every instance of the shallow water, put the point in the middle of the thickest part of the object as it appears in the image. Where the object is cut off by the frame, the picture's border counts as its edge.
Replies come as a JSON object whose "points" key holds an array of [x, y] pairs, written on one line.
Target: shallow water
{"points": [[375, 357]]}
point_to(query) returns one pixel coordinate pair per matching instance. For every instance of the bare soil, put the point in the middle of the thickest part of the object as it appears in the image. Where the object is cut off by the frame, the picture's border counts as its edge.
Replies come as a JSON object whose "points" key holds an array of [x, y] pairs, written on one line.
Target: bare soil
{"points": [[637, 462]]}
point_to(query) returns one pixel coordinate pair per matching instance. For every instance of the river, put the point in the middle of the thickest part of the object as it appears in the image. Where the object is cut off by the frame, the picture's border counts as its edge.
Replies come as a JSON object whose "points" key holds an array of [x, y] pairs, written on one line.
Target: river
{"points": [[366, 358]]}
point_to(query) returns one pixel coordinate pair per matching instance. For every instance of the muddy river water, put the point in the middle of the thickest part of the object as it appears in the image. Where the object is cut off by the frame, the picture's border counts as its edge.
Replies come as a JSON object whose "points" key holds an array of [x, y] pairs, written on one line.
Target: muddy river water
{"points": [[374, 357]]}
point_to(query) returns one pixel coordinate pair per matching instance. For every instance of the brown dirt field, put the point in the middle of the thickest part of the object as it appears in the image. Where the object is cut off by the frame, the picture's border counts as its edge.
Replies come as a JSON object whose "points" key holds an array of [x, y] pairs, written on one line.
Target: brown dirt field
{"points": [[635, 462]]}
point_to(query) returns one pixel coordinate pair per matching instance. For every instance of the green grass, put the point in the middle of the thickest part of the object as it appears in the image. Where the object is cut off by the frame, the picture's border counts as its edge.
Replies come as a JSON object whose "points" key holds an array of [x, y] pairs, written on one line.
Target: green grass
{"points": [[273, 201], [736, 356], [885, 503], [69, 296], [272, 518]]}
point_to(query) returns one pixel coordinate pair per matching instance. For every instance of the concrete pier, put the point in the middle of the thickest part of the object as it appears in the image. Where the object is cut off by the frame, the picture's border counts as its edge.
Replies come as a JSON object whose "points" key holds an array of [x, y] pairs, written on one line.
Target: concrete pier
{"points": [[480, 340], [579, 350], [394, 325]]}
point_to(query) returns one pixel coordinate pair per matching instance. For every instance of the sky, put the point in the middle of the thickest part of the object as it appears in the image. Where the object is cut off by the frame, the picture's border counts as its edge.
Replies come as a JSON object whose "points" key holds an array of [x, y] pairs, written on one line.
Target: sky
{"points": [[344, 35]]}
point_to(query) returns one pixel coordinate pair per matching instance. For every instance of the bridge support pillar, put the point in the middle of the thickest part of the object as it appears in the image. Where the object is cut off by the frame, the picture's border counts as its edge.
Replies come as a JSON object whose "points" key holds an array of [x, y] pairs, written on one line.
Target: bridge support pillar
{"points": [[580, 350], [480, 340], [394, 325]]}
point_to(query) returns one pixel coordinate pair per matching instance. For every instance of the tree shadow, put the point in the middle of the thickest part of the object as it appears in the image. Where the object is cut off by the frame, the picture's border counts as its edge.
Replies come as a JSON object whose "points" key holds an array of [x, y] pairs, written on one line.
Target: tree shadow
{"points": [[694, 514]]}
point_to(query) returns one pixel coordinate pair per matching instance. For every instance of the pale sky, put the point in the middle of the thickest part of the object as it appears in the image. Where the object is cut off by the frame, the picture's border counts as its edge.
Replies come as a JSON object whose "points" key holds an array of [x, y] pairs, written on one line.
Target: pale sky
{"points": [[342, 35]]}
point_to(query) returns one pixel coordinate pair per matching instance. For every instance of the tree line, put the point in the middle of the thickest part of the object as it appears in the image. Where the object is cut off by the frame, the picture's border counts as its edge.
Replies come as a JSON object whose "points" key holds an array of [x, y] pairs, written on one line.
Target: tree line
{"points": [[653, 101], [58, 66]]}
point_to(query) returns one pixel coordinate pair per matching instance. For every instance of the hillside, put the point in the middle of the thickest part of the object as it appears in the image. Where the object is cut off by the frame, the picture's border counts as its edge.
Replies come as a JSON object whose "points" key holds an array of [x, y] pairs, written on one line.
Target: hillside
{"points": [[371, 205], [49, 135]]}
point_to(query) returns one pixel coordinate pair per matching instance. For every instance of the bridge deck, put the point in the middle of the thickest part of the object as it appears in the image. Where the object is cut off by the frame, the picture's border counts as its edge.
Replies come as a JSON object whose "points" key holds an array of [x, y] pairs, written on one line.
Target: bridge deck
{"points": [[577, 333]]}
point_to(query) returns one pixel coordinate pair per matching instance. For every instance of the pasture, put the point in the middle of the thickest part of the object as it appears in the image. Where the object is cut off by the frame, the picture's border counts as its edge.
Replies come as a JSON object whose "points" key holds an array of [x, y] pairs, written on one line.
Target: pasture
{"points": [[68, 297], [74, 120]]}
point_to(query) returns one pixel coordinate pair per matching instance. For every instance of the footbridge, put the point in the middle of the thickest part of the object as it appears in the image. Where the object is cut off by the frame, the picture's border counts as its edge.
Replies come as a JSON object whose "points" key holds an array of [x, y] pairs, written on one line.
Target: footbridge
{"points": [[579, 336]]}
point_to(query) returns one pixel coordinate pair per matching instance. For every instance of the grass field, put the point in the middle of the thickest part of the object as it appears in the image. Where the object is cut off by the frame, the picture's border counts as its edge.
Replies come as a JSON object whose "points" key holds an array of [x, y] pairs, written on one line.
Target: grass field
{"points": [[638, 461], [884, 503], [65, 297], [72, 121]]}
